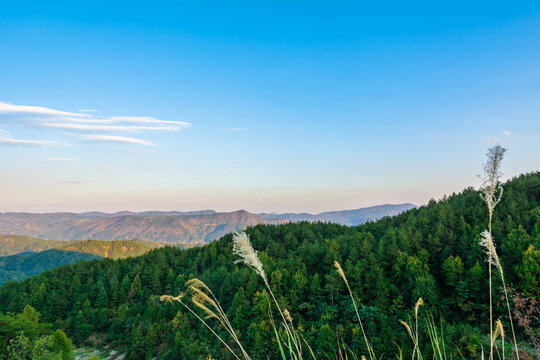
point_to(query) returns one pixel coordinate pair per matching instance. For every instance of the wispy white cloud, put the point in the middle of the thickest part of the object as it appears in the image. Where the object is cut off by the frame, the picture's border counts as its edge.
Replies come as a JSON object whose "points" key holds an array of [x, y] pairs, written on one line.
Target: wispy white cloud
{"points": [[105, 128], [7, 139], [116, 139], [148, 120], [65, 160], [82, 121], [27, 109], [507, 133]]}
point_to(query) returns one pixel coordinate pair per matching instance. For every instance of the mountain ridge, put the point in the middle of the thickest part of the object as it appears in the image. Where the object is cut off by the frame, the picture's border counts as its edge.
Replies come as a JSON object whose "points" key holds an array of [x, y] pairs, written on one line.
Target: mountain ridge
{"points": [[185, 228], [345, 217]]}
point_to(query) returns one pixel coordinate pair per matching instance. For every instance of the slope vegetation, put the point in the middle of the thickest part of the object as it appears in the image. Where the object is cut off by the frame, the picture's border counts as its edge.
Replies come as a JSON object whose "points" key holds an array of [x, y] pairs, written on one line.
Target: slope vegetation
{"points": [[14, 244], [25, 264], [118, 249]]}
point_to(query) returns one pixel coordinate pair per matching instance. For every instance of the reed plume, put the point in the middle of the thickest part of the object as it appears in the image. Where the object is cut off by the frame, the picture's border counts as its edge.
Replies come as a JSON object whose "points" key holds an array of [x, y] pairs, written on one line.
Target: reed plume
{"points": [[243, 248], [499, 331]]}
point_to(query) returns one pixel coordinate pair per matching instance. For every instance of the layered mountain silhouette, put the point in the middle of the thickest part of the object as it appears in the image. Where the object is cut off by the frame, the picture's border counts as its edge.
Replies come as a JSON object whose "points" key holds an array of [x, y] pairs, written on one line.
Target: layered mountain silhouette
{"points": [[184, 228]]}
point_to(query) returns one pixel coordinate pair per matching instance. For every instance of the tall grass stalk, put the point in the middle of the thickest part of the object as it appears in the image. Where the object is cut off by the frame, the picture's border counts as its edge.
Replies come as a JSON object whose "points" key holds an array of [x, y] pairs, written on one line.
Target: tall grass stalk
{"points": [[201, 299], [492, 194], [169, 298], [342, 274], [243, 248]]}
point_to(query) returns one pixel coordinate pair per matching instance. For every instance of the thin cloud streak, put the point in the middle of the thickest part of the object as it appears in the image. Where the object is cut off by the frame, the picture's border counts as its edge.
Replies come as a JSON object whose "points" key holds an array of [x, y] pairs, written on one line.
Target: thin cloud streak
{"points": [[6, 139], [88, 127], [43, 117], [147, 120], [116, 139], [6, 108]]}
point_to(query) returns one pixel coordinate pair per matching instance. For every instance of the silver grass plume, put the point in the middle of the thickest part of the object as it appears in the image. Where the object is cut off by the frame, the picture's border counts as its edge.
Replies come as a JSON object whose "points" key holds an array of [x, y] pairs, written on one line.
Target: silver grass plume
{"points": [[491, 251], [243, 248], [492, 190]]}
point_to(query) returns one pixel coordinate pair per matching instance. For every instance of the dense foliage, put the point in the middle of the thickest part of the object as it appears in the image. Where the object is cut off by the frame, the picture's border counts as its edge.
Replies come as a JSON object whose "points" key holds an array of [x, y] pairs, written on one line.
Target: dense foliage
{"points": [[21, 266], [431, 252], [118, 249], [23, 337], [25, 264]]}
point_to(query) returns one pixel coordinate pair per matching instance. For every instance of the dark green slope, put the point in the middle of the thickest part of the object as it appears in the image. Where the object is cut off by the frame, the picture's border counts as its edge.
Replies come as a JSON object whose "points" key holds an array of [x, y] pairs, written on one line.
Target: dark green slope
{"points": [[21, 266], [431, 252], [25, 264]]}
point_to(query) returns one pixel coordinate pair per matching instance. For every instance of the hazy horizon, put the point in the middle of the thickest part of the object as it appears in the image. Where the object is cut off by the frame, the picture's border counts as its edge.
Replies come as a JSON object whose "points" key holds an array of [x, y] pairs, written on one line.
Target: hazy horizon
{"points": [[303, 107], [209, 209]]}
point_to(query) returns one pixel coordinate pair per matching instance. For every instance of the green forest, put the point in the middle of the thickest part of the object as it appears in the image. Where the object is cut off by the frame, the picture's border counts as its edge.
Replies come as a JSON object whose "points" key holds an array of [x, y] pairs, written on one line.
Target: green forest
{"points": [[23, 265], [432, 252], [27, 263]]}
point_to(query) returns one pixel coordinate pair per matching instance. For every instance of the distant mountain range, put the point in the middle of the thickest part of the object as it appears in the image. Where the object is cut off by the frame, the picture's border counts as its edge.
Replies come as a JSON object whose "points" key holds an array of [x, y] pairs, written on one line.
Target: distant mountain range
{"points": [[185, 228], [41, 255], [345, 217]]}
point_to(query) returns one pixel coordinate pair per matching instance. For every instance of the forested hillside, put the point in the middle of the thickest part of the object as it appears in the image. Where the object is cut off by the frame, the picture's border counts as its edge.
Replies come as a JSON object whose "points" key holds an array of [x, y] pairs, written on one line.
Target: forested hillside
{"points": [[15, 244], [431, 252], [117, 249], [25, 264]]}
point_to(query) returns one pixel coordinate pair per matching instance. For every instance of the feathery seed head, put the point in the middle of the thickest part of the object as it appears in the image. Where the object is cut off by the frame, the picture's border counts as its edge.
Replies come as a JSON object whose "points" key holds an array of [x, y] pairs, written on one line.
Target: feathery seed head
{"points": [[407, 327], [492, 190], [169, 298], [498, 330], [340, 272], [196, 283], [199, 303], [419, 303], [287, 315], [243, 248], [489, 245]]}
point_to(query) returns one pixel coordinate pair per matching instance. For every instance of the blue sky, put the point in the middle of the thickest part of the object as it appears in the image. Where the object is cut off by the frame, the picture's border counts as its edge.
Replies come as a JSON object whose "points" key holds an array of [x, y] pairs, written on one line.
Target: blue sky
{"points": [[264, 106]]}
